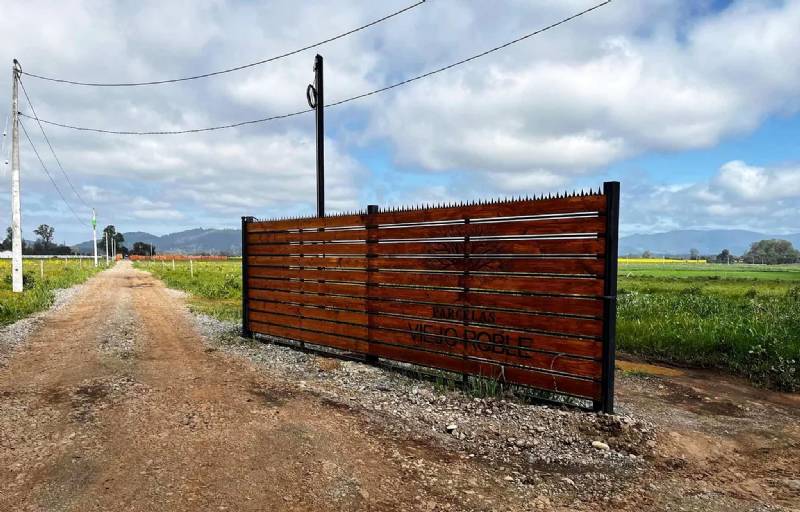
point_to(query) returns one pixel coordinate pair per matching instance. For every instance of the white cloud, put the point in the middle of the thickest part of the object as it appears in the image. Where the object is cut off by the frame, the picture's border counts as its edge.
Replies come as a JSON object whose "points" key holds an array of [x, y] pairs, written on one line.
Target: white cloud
{"points": [[737, 195], [757, 184]]}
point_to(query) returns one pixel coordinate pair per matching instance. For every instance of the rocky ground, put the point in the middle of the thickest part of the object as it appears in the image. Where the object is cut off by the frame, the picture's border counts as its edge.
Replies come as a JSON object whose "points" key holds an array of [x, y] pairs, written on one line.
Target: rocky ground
{"points": [[120, 399]]}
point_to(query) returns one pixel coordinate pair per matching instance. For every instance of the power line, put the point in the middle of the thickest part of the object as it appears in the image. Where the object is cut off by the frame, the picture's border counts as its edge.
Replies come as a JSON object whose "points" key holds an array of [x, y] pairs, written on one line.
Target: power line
{"points": [[230, 70], [340, 102], [50, 176], [167, 132], [53, 151]]}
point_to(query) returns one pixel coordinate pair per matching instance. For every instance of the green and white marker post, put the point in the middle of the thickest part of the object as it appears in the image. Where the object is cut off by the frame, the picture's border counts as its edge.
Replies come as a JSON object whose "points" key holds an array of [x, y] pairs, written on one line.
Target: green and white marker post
{"points": [[94, 235]]}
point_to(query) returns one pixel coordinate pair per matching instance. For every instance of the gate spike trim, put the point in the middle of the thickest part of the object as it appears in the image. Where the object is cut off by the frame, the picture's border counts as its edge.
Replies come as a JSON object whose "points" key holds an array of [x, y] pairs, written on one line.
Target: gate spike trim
{"points": [[448, 204]]}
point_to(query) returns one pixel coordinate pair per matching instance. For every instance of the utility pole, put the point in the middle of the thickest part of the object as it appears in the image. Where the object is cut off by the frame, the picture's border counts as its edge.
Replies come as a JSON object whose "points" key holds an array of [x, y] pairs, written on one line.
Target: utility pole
{"points": [[94, 235], [16, 208], [315, 97], [106, 248]]}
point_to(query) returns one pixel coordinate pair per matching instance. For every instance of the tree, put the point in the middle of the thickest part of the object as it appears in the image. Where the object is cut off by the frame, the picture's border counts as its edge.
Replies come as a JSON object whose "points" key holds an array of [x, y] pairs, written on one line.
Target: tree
{"points": [[45, 234], [647, 254], [6, 244], [111, 231], [143, 249], [694, 254], [724, 256], [771, 252]]}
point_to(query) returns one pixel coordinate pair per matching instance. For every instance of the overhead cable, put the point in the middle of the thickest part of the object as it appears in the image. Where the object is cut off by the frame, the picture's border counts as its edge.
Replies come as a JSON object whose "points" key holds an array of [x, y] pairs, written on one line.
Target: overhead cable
{"points": [[229, 70], [333, 104], [53, 151], [44, 167]]}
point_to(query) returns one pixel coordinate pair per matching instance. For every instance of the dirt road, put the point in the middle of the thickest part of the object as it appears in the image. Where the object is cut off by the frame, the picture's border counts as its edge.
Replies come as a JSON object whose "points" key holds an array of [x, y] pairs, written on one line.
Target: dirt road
{"points": [[115, 403]]}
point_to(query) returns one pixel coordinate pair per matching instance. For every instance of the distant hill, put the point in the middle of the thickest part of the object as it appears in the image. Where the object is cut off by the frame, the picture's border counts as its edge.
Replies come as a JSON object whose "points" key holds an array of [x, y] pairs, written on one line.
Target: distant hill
{"points": [[711, 241], [192, 241]]}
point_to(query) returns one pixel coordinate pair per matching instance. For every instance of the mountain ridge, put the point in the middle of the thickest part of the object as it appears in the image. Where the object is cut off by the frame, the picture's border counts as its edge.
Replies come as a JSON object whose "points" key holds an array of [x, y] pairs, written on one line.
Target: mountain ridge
{"points": [[190, 241]]}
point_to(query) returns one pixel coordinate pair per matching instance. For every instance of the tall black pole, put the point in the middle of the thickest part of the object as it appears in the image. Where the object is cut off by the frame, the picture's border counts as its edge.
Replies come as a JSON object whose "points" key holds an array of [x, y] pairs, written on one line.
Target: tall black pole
{"points": [[319, 105], [606, 402]]}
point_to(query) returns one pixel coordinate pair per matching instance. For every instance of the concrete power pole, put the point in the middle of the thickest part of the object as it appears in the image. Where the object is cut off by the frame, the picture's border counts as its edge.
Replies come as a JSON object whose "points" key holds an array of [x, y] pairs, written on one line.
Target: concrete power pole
{"points": [[16, 208], [106, 248], [94, 235]]}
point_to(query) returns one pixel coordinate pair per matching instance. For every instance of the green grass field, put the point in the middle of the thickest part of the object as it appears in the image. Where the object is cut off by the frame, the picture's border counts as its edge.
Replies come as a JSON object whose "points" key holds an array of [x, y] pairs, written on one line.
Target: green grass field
{"points": [[744, 319], [38, 291], [741, 318]]}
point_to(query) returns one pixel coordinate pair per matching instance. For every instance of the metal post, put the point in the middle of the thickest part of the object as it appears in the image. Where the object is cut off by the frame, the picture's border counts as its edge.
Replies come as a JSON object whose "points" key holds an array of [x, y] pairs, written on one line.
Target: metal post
{"points": [[246, 332], [606, 402], [372, 242], [316, 100], [16, 208], [94, 235]]}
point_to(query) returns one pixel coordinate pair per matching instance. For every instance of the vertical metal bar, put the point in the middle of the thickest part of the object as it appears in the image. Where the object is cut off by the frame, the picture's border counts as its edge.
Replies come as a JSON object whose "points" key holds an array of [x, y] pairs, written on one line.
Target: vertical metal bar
{"points": [[372, 241], [246, 332], [606, 403], [465, 310], [320, 118]]}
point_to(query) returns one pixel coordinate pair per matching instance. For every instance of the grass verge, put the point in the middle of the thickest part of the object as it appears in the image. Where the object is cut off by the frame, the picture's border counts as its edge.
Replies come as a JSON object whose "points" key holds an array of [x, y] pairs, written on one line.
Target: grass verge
{"points": [[40, 282]]}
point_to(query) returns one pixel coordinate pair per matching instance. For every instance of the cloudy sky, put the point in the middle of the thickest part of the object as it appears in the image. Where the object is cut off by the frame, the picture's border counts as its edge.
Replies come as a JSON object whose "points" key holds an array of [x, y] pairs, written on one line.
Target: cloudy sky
{"points": [[693, 105]]}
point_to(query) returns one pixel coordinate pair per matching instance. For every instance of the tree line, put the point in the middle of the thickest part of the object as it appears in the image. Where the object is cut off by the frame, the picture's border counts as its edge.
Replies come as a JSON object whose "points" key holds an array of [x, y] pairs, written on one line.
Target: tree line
{"points": [[767, 252], [45, 244]]}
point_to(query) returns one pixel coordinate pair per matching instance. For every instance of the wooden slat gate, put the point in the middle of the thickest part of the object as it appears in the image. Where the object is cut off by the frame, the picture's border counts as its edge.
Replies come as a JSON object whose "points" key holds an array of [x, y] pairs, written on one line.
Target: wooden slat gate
{"points": [[522, 291]]}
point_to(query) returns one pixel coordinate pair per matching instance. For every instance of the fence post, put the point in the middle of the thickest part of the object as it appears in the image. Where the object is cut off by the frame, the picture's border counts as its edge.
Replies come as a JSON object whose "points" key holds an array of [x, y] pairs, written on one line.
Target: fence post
{"points": [[606, 402], [465, 312], [372, 242], [246, 332]]}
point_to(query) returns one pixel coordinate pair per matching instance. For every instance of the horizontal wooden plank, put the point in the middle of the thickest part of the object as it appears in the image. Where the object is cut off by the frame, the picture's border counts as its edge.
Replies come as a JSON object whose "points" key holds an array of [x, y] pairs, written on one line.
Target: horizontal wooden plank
{"points": [[545, 226], [538, 227], [566, 266], [319, 338], [505, 319], [533, 303], [492, 322], [483, 248], [564, 205], [307, 236], [334, 315], [314, 324], [563, 285], [338, 221], [530, 377], [352, 303], [310, 273]]}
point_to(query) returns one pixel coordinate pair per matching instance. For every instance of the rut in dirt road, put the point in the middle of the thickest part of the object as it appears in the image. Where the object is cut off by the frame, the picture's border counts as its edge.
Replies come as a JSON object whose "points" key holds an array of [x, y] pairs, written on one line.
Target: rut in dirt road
{"points": [[114, 404]]}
